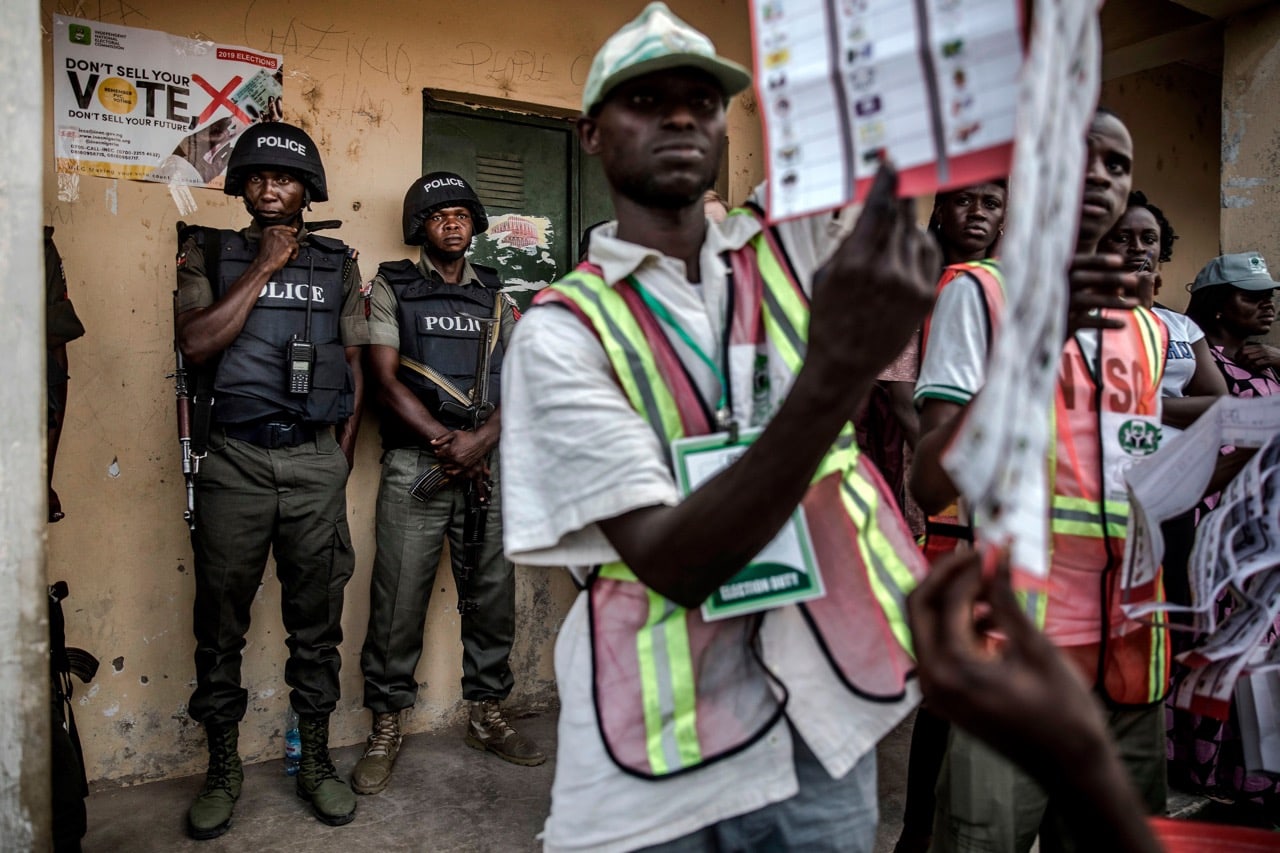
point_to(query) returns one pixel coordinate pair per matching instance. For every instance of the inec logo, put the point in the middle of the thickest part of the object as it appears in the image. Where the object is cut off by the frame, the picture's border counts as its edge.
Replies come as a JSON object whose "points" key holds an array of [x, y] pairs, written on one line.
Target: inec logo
{"points": [[1139, 438], [79, 34]]}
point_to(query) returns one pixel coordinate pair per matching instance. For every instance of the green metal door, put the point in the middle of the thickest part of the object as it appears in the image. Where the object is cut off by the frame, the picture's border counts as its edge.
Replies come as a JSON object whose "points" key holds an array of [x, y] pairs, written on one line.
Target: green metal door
{"points": [[537, 188]]}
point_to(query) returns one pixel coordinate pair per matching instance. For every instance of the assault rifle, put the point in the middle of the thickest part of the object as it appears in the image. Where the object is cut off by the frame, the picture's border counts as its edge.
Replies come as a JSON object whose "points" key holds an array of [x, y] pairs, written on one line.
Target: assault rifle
{"points": [[181, 391], [476, 490]]}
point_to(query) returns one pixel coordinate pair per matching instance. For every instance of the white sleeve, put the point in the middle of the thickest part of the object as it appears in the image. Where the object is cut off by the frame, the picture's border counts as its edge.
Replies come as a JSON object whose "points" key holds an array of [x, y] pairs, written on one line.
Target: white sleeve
{"points": [[810, 241], [574, 451], [954, 368]]}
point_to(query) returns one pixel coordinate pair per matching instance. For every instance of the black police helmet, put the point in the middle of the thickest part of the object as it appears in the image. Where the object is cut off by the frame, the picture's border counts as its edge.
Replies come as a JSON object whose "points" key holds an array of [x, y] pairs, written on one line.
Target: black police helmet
{"points": [[436, 190], [276, 146]]}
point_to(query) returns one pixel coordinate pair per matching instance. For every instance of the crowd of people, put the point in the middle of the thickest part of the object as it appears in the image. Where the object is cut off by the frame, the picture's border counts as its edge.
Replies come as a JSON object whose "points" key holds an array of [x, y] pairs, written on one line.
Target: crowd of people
{"points": [[814, 348]]}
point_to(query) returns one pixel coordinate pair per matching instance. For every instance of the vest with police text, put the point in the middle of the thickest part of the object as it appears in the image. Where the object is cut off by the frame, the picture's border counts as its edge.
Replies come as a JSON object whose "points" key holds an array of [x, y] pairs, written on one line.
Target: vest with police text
{"points": [[252, 378], [439, 330]]}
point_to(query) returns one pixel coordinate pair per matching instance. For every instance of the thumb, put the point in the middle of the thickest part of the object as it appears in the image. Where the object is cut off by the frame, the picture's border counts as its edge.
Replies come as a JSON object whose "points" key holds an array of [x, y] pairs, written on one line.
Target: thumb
{"points": [[1007, 614]]}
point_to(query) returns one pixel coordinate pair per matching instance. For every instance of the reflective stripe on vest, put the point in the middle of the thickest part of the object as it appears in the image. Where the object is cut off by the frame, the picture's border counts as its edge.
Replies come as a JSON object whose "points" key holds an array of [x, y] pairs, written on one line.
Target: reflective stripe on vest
{"points": [[945, 532], [1073, 516], [669, 689], [1076, 520], [890, 579], [667, 684], [1133, 666]]}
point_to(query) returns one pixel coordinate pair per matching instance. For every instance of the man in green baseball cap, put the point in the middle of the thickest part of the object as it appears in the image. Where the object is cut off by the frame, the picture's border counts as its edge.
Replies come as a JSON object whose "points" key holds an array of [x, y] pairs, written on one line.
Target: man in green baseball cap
{"points": [[679, 732], [655, 41]]}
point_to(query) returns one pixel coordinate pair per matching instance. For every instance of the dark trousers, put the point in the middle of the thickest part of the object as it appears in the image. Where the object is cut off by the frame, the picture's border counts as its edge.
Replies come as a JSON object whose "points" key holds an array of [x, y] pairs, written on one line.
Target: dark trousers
{"points": [[291, 501], [410, 535]]}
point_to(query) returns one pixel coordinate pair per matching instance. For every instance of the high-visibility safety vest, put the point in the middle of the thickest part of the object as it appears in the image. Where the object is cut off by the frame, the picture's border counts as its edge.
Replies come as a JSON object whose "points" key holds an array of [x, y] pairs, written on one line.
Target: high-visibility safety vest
{"points": [[674, 692], [946, 531], [1129, 664]]}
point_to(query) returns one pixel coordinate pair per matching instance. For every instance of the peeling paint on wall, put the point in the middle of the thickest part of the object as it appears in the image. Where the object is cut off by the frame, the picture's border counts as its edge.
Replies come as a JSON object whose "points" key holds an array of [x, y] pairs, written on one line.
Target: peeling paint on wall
{"points": [[519, 231], [183, 198], [1233, 129], [1244, 183], [68, 187]]}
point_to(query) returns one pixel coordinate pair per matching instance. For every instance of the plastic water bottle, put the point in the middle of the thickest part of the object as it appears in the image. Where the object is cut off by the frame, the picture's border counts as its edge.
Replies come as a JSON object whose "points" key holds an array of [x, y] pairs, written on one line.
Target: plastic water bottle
{"points": [[292, 742]]}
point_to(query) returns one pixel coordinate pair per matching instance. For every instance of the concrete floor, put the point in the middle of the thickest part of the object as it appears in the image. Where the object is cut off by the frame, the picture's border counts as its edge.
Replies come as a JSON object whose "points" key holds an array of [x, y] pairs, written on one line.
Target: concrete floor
{"points": [[444, 797]]}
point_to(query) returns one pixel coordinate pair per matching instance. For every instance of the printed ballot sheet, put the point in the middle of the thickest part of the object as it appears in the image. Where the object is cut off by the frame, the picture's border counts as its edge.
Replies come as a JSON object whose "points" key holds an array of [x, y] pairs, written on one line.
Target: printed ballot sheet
{"points": [[932, 85], [998, 458], [1236, 553]]}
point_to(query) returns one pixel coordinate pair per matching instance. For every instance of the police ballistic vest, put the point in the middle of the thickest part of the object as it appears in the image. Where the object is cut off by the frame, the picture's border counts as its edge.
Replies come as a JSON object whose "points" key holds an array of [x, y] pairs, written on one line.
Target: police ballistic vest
{"points": [[438, 331], [251, 381], [673, 691], [1129, 664]]}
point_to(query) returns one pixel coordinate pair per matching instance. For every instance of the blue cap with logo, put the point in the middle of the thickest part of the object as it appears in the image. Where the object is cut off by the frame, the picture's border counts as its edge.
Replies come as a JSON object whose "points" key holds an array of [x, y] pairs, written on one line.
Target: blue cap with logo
{"points": [[1245, 270], [656, 41]]}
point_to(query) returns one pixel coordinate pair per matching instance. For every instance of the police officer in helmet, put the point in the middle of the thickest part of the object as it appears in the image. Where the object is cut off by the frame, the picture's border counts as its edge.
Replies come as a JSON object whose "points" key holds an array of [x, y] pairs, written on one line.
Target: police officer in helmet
{"points": [[271, 316], [425, 334]]}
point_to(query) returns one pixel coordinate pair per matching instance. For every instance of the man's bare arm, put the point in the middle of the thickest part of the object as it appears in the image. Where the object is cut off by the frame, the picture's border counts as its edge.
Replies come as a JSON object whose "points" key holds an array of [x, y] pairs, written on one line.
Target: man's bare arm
{"points": [[349, 429], [203, 333], [384, 361], [867, 301]]}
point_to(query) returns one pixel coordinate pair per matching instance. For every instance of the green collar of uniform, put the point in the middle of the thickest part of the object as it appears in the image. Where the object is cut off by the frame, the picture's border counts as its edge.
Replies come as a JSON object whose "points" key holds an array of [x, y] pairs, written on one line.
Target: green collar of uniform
{"points": [[432, 273]]}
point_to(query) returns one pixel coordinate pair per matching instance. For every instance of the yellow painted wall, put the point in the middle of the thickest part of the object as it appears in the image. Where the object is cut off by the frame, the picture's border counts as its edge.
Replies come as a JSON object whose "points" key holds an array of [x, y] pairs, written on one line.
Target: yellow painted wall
{"points": [[1172, 112], [354, 78]]}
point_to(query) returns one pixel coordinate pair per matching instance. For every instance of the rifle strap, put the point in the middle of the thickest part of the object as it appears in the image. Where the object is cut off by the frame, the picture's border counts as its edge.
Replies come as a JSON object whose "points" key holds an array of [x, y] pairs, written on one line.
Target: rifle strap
{"points": [[431, 374], [210, 242], [201, 413]]}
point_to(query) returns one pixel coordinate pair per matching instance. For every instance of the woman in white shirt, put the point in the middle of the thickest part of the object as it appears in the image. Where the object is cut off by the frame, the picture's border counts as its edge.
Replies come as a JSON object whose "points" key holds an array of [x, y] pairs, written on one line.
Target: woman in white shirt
{"points": [[1191, 383]]}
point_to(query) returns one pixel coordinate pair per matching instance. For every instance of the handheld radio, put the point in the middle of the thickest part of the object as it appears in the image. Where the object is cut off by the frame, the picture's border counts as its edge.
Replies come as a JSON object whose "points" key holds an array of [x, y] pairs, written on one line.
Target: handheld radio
{"points": [[300, 353]]}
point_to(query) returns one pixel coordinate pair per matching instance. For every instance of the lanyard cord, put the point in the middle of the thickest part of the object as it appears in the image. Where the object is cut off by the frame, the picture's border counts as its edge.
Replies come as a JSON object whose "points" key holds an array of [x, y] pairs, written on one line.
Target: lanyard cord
{"points": [[660, 311]]}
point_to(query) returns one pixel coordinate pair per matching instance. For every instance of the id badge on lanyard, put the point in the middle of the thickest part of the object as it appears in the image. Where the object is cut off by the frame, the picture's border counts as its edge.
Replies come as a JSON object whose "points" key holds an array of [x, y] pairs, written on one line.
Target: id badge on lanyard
{"points": [[785, 571]]}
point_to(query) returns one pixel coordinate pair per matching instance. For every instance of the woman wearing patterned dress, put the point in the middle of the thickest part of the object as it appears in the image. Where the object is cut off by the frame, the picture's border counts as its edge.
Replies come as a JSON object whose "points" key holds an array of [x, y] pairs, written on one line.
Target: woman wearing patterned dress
{"points": [[1232, 301]]}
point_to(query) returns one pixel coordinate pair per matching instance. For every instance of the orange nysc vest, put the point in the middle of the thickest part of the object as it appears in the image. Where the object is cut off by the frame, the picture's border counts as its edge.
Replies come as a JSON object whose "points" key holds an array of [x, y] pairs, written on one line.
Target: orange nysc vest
{"points": [[673, 691], [1129, 664], [947, 530]]}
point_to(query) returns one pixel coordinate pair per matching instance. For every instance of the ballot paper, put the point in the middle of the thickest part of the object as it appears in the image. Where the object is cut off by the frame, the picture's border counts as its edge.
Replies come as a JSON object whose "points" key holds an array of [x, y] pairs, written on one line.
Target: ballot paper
{"points": [[999, 458], [1236, 552], [1171, 481], [842, 84], [1258, 710]]}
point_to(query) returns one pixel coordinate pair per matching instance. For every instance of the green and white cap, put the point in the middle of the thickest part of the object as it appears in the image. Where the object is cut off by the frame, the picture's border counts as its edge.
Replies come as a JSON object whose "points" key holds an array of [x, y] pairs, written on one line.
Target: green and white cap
{"points": [[1245, 270], [655, 41]]}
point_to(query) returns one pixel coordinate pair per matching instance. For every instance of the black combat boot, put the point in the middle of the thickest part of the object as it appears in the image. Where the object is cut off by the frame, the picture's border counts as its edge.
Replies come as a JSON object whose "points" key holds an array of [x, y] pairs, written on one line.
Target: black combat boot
{"points": [[210, 814], [318, 783]]}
